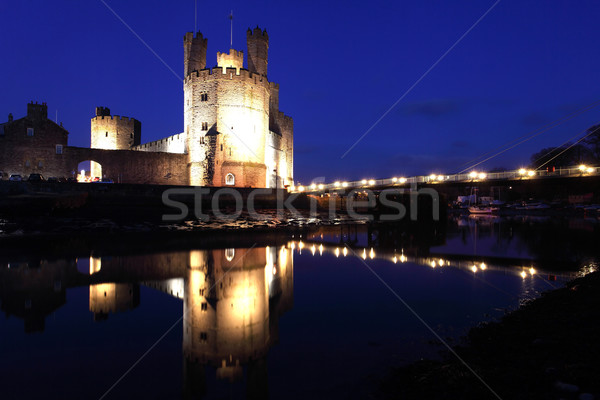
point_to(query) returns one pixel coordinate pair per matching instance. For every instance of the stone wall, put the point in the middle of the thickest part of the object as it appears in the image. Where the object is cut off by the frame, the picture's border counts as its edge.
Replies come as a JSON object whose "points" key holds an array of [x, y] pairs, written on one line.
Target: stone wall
{"points": [[171, 144], [128, 166]]}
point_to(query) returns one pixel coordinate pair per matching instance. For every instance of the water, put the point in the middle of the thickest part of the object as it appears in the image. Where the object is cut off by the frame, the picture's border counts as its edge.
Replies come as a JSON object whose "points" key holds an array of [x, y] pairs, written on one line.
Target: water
{"points": [[323, 314]]}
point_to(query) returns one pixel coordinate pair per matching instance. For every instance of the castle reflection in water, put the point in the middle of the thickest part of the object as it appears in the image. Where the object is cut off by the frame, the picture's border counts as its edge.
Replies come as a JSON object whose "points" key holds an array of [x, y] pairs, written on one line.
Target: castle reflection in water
{"points": [[232, 301]]}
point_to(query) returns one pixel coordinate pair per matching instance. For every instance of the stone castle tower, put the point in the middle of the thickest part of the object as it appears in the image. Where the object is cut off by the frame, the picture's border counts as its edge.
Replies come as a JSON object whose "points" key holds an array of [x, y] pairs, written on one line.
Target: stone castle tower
{"points": [[234, 133], [112, 132]]}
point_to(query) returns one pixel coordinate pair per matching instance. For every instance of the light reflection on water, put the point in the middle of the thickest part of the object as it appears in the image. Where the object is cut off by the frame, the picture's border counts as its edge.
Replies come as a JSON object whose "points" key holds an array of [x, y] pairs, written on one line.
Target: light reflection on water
{"points": [[289, 320]]}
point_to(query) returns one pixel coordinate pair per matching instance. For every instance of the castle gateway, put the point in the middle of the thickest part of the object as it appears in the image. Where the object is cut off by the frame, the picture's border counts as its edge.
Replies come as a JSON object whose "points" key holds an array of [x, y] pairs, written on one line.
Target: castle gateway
{"points": [[234, 133]]}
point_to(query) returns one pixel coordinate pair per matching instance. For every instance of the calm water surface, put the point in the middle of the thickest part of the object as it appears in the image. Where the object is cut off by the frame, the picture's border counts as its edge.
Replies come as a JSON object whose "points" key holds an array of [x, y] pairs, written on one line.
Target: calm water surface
{"points": [[304, 318]]}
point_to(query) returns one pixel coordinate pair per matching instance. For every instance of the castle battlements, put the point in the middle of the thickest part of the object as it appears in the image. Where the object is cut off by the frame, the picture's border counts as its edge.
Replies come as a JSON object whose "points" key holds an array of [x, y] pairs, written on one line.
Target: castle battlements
{"points": [[257, 33], [114, 117], [242, 75]]}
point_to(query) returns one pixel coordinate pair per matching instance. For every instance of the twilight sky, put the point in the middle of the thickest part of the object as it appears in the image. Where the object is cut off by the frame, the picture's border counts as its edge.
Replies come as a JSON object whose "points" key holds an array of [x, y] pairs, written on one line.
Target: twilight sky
{"points": [[341, 65]]}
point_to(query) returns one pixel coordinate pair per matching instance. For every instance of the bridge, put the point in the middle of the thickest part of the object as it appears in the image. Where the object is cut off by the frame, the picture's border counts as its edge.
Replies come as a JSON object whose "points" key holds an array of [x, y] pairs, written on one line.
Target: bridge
{"points": [[474, 176]]}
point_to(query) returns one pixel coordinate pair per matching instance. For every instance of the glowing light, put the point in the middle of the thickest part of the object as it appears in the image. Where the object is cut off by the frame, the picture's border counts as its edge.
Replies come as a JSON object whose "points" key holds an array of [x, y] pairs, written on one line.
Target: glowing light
{"points": [[300, 245], [482, 175], [441, 262], [313, 249], [482, 266], [313, 186], [402, 180], [432, 177], [590, 170], [364, 181], [402, 258], [473, 175], [582, 167], [433, 264], [344, 184], [321, 186], [530, 173], [301, 188], [440, 177], [532, 270], [395, 260], [474, 268], [345, 251], [336, 184], [337, 252], [320, 249], [522, 171], [364, 255], [371, 254], [274, 271], [394, 180], [371, 182], [523, 274]]}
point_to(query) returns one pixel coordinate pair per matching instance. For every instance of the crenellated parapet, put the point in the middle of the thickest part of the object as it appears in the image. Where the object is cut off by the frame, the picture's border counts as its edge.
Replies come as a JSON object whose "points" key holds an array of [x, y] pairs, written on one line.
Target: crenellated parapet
{"points": [[233, 59], [219, 73]]}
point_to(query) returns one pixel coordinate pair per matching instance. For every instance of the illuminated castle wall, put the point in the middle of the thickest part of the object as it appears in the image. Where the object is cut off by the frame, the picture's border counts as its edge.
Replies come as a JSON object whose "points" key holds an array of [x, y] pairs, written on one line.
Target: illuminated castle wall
{"points": [[234, 133]]}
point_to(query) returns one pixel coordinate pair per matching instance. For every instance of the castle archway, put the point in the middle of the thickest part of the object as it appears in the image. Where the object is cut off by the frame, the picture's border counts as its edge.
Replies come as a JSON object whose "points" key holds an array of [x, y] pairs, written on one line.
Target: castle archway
{"points": [[89, 171]]}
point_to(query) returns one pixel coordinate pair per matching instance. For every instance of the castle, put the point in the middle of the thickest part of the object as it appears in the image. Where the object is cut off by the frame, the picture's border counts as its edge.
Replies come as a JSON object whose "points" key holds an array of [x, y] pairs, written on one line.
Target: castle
{"points": [[234, 133]]}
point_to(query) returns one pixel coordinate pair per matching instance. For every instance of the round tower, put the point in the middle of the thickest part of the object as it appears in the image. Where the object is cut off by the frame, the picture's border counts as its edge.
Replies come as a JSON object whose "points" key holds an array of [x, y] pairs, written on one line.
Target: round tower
{"points": [[258, 50], [112, 132]]}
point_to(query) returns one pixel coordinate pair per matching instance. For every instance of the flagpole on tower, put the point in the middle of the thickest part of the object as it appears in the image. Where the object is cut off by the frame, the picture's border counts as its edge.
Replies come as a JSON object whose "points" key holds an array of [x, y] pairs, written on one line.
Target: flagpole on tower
{"points": [[231, 22]]}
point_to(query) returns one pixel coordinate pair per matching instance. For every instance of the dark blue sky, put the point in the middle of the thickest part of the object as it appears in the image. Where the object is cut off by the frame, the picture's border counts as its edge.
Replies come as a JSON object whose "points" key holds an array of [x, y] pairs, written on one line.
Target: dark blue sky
{"points": [[340, 66]]}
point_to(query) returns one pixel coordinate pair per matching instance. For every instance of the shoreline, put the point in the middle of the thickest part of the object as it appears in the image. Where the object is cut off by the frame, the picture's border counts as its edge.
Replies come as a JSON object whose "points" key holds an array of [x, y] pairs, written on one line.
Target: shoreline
{"points": [[546, 349]]}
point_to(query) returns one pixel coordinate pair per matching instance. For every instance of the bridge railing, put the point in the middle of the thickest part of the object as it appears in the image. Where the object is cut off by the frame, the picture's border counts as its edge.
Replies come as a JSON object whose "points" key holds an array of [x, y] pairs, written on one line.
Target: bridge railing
{"points": [[520, 174]]}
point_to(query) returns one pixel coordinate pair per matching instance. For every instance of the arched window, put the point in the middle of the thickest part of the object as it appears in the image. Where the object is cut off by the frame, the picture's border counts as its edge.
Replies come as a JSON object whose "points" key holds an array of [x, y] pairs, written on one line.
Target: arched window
{"points": [[229, 254], [230, 179]]}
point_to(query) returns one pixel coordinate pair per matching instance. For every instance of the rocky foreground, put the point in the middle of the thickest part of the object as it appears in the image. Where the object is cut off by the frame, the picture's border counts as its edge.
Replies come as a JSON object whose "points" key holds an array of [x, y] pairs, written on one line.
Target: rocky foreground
{"points": [[548, 349]]}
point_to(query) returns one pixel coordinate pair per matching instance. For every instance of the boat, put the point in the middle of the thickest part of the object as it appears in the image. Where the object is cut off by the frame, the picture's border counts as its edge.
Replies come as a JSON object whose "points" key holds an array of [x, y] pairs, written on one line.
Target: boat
{"points": [[482, 209]]}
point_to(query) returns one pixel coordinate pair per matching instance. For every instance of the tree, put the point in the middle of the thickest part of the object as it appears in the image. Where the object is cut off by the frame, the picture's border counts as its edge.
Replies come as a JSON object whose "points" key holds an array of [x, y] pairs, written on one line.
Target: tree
{"points": [[563, 156], [593, 142]]}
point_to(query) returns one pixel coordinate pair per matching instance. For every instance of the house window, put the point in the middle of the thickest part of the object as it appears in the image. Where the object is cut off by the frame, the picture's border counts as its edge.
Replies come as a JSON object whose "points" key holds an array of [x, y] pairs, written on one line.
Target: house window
{"points": [[27, 164], [204, 306], [230, 180], [204, 97], [131, 135], [59, 149], [106, 134], [202, 140], [40, 164], [203, 336], [221, 147], [229, 253], [205, 126], [29, 131]]}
